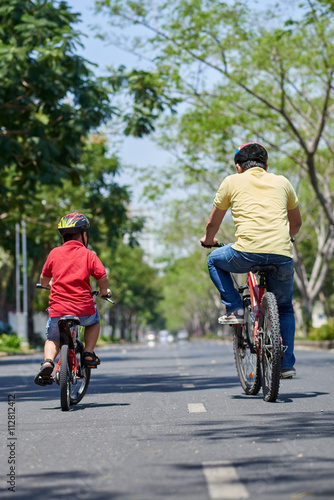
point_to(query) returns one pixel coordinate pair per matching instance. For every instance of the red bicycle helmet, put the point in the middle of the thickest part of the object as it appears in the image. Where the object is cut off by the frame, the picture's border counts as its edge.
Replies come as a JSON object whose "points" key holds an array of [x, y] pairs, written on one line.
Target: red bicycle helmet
{"points": [[251, 151]]}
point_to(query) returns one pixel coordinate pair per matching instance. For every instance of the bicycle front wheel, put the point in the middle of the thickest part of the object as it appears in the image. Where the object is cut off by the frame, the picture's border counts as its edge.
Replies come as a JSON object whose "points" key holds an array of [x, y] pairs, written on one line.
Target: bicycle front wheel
{"points": [[246, 358], [64, 378], [270, 347], [83, 377]]}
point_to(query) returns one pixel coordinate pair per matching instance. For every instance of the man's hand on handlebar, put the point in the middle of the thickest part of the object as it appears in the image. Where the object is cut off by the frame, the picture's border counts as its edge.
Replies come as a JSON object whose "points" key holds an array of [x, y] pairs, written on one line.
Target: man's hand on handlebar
{"points": [[208, 243]]}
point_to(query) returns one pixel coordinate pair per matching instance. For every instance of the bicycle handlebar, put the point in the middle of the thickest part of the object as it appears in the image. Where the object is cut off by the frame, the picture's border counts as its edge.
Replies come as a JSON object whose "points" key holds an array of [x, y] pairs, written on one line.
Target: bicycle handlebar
{"points": [[105, 297], [218, 245], [94, 293]]}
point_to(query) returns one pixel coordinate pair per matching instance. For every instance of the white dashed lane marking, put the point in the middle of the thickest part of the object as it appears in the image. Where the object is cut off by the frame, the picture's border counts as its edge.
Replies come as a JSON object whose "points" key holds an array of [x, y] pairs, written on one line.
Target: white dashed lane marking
{"points": [[223, 481], [196, 408], [188, 386]]}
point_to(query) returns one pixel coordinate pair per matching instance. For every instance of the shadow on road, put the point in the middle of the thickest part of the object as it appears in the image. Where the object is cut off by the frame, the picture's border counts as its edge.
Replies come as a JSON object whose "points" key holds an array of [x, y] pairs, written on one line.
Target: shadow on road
{"points": [[84, 406], [159, 383], [286, 398], [279, 427]]}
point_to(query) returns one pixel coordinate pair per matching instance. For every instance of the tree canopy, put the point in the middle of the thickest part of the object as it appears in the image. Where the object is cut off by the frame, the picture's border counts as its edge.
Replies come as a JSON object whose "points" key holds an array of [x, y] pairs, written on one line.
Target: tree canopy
{"points": [[53, 160], [49, 98], [238, 72]]}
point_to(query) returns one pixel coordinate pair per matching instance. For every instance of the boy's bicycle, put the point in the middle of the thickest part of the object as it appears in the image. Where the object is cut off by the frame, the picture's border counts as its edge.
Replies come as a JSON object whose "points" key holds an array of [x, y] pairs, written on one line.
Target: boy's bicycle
{"points": [[257, 344], [71, 373]]}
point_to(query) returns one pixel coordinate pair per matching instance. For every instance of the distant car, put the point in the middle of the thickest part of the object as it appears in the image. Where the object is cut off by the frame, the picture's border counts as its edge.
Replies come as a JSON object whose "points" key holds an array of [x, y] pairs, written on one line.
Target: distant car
{"points": [[5, 328], [163, 335], [182, 335], [150, 336]]}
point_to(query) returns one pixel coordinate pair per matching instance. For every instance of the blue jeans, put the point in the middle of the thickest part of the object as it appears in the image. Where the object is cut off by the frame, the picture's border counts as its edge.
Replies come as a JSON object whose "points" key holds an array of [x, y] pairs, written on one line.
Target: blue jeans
{"points": [[226, 260]]}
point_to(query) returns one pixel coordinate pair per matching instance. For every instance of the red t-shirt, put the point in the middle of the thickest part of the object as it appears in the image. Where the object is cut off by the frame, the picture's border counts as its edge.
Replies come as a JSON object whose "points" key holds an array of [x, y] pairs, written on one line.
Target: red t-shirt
{"points": [[71, 266]]}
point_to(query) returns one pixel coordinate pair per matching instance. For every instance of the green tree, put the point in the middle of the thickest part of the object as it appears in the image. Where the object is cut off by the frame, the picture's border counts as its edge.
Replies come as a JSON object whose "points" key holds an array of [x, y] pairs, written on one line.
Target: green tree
{"points": [[190, 301], [98, 196], [136, 288], [49, 99], [244, 74]]}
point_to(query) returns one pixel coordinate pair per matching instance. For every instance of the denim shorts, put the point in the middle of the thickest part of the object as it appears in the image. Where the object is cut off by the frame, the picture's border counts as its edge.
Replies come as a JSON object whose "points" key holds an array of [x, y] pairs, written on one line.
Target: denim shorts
{"points": [[52, 331]]}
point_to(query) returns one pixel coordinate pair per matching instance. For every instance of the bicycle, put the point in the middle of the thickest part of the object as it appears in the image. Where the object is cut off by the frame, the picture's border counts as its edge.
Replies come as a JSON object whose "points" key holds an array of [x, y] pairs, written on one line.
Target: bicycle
{"points": [[71, 373], [257, 343]]}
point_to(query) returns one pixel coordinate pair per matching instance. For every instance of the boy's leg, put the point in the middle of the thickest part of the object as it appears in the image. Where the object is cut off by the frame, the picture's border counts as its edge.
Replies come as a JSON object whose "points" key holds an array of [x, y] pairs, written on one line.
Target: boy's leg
{"points": [[51, 349], [90, 336]]}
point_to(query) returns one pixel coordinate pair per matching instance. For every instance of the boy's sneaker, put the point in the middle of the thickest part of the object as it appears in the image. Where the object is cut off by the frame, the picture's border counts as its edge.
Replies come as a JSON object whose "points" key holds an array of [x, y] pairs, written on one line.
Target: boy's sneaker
{"points": [[232, 318], [288, 372]]}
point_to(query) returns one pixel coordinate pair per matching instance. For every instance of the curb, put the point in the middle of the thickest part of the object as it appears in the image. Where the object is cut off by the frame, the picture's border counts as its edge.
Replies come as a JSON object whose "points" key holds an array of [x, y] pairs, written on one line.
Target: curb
{"points": [[315, 345]]}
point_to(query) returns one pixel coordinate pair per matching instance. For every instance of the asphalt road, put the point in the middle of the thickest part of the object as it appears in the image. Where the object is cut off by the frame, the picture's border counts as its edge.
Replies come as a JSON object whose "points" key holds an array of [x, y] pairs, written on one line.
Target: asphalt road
{"points": [[168, 421]]}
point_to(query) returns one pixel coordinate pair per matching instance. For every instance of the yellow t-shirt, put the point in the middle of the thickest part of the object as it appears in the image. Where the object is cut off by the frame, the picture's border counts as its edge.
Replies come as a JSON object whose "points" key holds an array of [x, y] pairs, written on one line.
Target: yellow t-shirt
{"points": [[259, 202]]}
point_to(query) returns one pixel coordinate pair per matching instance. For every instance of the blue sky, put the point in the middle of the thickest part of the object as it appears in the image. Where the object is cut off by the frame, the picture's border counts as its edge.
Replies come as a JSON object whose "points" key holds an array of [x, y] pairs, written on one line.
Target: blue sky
{"points": [[138, 152]]}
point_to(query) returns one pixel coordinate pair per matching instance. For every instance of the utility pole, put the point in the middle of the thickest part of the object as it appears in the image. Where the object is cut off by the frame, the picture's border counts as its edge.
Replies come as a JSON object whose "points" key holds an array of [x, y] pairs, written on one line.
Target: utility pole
{"points": [[21, 274]]}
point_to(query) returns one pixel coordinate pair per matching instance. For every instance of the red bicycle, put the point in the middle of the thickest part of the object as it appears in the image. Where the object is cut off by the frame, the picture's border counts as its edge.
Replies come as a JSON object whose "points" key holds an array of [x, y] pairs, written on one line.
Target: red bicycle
{"points": [[257, 344], [71, 373]]}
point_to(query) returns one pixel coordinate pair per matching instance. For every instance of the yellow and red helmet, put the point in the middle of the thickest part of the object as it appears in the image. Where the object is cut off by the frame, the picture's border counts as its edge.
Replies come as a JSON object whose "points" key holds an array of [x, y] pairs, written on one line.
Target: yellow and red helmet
{"points": [[73, 223]]}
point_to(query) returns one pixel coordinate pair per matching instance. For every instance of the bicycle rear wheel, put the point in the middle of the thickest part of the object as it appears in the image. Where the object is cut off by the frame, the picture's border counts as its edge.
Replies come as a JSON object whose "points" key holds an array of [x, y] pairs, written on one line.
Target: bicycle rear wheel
{"points": [[83, 377], [64, 378], [270, 347], [246, 358]]}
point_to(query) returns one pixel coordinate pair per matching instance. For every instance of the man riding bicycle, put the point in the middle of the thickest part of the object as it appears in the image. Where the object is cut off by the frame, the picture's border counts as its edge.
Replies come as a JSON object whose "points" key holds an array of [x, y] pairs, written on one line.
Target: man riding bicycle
{"points": [[67, 273], [265, 211]]}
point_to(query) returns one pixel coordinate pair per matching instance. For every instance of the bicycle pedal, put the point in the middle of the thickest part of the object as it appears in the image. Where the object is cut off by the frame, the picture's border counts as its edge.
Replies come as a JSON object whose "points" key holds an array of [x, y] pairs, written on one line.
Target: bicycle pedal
{"points": [[90, 366], [46, 380]]}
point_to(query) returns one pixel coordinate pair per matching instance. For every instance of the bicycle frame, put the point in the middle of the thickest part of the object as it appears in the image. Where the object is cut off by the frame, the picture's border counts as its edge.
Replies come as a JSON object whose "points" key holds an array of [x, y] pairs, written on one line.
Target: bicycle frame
{"points": [[256, 293], [66, 338]]}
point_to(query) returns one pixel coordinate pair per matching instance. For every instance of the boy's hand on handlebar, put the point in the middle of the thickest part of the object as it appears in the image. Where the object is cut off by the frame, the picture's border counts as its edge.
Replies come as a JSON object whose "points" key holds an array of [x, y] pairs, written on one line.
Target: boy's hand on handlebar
{"points": [[105, 294]]}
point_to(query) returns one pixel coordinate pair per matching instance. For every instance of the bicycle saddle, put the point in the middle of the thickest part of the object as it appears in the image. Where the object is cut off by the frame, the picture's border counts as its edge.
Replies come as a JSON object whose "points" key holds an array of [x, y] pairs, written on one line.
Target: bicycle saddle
{"points": [[264, 269], [74, 319]]}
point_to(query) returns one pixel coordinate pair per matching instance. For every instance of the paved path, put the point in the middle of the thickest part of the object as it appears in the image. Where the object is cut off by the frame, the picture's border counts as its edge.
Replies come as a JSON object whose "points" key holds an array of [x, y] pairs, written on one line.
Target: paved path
{"points": [[169, 422]]}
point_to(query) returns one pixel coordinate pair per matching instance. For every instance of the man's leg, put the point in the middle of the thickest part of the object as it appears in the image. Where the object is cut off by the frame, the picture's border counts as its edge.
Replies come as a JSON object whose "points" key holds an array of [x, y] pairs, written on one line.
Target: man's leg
{"points": [[219, 265], [281, 284]]}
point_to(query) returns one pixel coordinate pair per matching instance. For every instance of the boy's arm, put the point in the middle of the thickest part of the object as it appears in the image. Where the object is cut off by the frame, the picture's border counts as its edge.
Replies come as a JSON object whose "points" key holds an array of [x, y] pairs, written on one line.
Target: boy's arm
{"points": [[45, 281], [103, 285]]}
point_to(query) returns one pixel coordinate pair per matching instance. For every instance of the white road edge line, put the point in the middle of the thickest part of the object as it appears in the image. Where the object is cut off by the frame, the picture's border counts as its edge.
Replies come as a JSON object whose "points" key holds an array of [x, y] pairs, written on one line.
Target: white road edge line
{"points": [[188, 386], [223, 481], [196, 408]]}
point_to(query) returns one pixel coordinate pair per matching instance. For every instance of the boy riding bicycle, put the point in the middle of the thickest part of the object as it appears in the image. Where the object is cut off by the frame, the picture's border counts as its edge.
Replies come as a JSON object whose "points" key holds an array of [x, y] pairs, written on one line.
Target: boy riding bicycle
{"points": [[266, 215], [67, 272]]}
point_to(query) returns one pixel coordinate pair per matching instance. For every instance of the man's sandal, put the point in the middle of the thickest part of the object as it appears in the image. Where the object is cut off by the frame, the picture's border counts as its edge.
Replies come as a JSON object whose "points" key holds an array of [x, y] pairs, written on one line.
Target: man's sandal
{"points": [[90, 363], [43, 377]]}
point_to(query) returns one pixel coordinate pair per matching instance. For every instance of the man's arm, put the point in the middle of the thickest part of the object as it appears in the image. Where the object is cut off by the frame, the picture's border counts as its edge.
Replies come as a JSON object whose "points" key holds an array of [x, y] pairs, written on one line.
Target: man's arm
{"points": [[295, 221], [212, 226]]}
